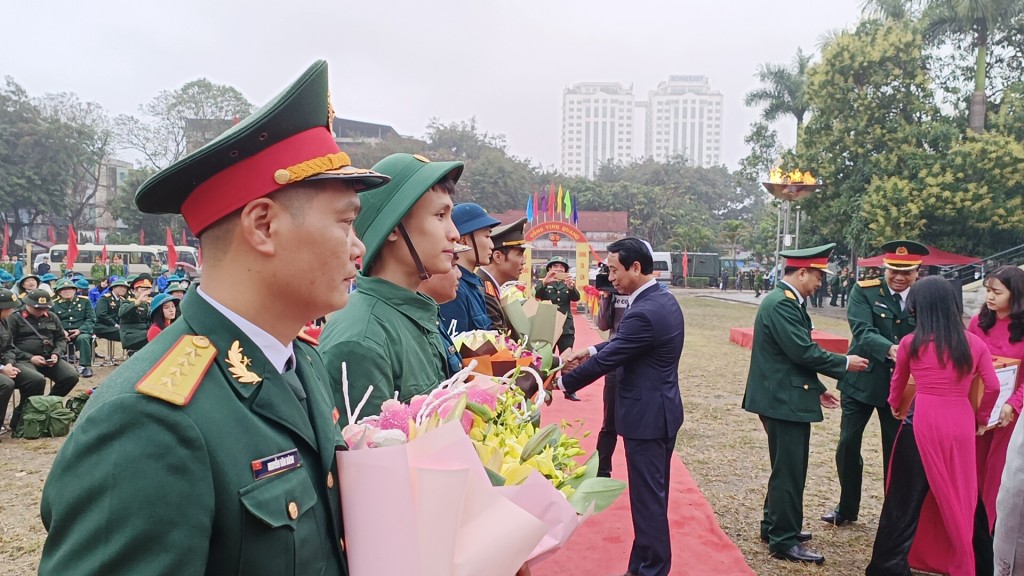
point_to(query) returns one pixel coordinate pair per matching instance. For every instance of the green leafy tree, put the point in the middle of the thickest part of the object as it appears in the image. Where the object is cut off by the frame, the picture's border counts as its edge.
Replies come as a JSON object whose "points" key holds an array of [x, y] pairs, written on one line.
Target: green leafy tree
{"points": [[783, 90], [765, 150], [733, 233], [873, 115], [122, 207], [162, 135]]}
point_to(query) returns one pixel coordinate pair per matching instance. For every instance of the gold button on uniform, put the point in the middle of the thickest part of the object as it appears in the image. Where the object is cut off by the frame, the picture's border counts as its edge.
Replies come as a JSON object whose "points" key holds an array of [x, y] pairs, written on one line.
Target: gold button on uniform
{"points": [[807, 386], [341, 542], [293, 510], [330, 480]]}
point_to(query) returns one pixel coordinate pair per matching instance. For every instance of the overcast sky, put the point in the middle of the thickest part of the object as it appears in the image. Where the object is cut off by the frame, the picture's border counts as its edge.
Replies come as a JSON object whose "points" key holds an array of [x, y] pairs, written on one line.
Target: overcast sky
{"points": [[404, 62]]}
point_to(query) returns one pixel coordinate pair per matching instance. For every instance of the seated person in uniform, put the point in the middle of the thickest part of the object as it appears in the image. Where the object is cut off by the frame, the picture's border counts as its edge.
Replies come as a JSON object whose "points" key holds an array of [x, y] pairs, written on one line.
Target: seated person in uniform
{"points": [[133, 315], [39, 344], [79, 319]]}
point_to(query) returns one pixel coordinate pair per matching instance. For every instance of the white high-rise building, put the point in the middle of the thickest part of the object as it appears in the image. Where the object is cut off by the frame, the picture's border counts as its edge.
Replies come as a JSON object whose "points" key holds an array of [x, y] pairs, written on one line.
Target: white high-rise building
{"points": [[684, 117], [597, 126]]}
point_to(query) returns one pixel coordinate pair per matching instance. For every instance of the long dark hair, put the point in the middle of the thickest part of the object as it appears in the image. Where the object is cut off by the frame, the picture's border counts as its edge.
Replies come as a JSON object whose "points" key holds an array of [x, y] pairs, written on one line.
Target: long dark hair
{"points": [[1013, 278], [934, 303]]}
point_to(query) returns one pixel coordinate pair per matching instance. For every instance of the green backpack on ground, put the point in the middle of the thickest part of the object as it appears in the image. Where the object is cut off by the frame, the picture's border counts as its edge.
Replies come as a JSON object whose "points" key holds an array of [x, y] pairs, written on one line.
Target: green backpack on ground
{"points": [[76, 403], [44, 416]]}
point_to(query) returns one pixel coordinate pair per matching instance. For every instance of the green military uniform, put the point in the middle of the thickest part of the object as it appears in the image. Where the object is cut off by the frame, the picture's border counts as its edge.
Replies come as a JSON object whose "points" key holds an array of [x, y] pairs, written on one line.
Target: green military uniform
{"points": [[505, 237], [387, 336], [77, 313], [878, 321], [42, 336], [107, 308], [98, 272], [117, 270], [559, 294], [199, 456], [30, 384], [133, 316], [784, 390]]}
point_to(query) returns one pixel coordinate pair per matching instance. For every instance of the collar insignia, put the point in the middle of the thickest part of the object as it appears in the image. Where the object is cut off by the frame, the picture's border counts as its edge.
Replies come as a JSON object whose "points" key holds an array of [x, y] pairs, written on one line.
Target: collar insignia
{"points": [[239, 365]]}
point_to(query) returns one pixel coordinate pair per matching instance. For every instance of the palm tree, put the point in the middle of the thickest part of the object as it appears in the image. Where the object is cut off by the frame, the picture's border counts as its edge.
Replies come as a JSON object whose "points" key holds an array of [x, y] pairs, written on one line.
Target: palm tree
{"points": [[733, 232], [976, 19], [782, 90]]}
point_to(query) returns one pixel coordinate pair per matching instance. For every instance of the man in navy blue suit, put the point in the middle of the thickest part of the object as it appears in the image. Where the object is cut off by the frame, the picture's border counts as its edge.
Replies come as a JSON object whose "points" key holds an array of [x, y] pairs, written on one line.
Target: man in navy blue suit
{"points": [[648, 409]]}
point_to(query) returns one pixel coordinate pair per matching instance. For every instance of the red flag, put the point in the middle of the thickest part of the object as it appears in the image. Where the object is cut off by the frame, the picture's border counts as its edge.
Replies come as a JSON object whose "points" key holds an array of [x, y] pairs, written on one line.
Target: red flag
{"points": [[72, 248], [551, 200], [7, 233], [52, 235], [172, 254], [686, 264], [96, 238], [142, 236], [103, 254], [184, 240], [536, 206]]}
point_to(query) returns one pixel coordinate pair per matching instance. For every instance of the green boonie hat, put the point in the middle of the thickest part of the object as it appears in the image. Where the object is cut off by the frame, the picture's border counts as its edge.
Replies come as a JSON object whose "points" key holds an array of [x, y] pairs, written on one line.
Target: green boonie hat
{"points": [[26, 277], [38, 298], [174, 287], [903, 254], [557, 260], [816, 257], [288, 140], [120, 283], [65, 284], [8, 299], [510, 235], [382, 209]]}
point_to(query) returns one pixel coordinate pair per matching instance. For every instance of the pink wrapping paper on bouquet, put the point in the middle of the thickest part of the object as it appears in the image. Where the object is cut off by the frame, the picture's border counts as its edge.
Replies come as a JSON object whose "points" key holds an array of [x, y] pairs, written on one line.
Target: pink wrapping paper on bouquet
{"points": [[537, 496], [427, 508]]}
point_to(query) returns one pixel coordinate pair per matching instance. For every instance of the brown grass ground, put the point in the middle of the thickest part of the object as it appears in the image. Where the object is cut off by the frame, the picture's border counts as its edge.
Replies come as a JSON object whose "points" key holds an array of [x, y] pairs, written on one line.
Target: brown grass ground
{"points": [[723, 447]]}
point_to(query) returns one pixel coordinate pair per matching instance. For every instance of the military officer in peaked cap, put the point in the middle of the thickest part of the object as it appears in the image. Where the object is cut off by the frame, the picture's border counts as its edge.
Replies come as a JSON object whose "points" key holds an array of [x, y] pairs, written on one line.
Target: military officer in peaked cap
{"points": [[9, 381], [79, 319], [211, 450], [783, 389], [878, 318], [39, 344], [508, 258]]}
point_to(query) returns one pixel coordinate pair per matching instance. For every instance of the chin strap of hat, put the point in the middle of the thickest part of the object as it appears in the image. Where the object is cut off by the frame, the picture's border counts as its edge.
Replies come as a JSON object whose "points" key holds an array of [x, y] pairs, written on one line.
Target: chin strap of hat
{"points": [[424, 275], [476, 250]]}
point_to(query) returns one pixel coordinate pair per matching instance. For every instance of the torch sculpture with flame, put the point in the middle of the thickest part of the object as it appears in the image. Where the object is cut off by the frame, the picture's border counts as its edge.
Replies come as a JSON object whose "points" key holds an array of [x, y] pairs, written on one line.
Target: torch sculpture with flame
{"points": [[787, 187]]}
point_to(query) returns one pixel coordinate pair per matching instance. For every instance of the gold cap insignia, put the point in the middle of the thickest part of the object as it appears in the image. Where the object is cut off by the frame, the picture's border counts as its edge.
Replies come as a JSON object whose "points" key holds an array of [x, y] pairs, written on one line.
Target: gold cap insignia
{"points": [[902, 251], [239, 365], [423, 159], [42, 300]]}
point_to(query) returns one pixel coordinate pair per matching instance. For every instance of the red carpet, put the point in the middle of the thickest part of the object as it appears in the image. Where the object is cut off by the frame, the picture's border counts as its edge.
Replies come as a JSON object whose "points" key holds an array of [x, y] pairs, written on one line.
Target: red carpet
{"points": [[745, 337], [601, 546]]}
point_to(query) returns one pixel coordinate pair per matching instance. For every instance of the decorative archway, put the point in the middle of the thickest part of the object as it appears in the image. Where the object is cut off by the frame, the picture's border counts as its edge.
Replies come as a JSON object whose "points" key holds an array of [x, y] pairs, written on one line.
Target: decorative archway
{"points": [[560, 229]]}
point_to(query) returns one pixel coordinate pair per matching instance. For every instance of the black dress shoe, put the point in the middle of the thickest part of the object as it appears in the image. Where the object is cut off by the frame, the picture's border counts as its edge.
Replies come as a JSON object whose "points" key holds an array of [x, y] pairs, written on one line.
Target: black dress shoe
{"points": [[800, 537], [572, 396], [87, 372], [799, 553], [837, 519]]}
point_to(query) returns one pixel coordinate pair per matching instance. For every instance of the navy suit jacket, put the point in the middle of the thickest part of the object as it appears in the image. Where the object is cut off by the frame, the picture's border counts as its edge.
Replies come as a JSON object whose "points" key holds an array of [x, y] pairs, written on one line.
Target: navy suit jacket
{"points": [[645, 354]]}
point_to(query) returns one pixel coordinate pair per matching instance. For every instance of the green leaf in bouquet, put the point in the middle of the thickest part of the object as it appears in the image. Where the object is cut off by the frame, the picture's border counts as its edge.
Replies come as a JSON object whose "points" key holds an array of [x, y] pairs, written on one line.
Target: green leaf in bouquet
{"points": [[517, 318], [589, 472], [457, 410], [484, 412], [597, 492], [548, 436], [495, 478]]}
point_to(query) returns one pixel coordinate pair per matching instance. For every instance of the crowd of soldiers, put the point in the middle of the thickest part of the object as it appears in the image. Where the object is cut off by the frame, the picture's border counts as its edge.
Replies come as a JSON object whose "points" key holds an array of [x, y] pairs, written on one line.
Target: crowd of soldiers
{"points": [[49, 327]]}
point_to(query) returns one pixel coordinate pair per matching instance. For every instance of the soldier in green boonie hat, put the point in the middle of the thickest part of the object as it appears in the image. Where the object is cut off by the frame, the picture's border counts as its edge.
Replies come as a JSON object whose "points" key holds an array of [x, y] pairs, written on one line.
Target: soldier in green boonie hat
{"points": [[79, 320], [559, 288], [783, 389], [387, 335], [27, 386], [224, 427], [108, 325]]}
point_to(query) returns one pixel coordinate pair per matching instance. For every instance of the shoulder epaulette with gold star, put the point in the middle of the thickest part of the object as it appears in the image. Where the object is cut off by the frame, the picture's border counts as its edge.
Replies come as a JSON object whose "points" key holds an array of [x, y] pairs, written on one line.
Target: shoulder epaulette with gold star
{"points": [[869, 283], [790, 295], [176, 376]]}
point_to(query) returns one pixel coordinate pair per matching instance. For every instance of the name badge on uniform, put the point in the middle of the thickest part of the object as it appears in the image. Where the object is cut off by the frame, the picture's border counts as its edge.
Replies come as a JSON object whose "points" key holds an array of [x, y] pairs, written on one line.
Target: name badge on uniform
{"points": [[276, 464]]}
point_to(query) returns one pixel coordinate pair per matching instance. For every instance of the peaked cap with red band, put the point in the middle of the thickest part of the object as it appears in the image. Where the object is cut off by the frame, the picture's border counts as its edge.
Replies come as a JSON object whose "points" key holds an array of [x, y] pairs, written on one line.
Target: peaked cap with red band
{"points": [[816, 257], [903, 254], [286, 141]]}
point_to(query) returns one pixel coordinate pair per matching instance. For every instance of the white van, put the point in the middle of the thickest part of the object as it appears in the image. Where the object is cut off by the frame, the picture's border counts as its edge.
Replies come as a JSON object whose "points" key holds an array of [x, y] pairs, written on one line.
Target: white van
{"points": [[136, 258], [663, 267]]}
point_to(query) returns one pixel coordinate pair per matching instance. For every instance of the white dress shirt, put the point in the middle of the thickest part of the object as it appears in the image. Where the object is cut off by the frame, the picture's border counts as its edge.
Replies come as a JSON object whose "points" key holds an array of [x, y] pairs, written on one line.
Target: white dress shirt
{"points": [[277, 353]]}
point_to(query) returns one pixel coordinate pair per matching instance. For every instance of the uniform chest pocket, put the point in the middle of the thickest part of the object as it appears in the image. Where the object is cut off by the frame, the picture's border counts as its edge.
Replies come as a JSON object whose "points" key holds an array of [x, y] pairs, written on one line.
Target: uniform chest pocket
{"points": [[281, 532], [806, 395]]}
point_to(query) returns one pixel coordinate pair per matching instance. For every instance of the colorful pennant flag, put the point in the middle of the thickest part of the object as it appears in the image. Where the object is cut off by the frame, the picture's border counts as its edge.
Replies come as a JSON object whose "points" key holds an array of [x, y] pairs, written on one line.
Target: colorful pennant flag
{"points": [[551, 201], [103, 255], [7, 234], [535, 205], [561, 201], [568, 205], [184, 240], [142, 236], [529, 208], [96, 237], [172, 254]]}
